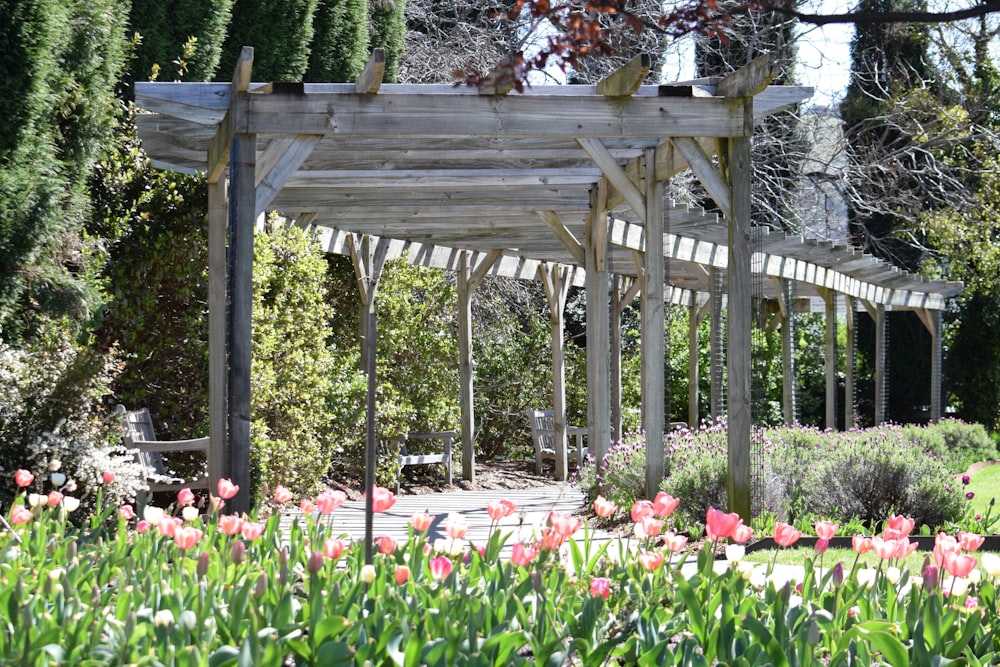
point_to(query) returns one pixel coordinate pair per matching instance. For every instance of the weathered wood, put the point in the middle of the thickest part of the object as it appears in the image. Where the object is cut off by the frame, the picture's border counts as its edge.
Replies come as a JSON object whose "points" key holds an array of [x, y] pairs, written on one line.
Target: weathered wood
{"points": [[444, 178], [140, 436], [281, 164], [789, 411], [707, 173], [615, 174], [566, 237], [739, 317], [218, 459], [598, 320], [830, 297], [652, 325], [626, 80], [466, 389], [750, 79], [716, 278], [370, 79], [544, 437], [615, 333], [850, 356], [236, 117], [556, 289], [694, 349], [500, 80], [935, 317]]}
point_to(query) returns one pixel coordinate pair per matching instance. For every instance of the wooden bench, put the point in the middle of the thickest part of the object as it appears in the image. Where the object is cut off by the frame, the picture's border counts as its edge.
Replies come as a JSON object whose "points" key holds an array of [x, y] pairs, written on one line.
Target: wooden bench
{"points": [[543, 435], [407, 459], [139, 435]]}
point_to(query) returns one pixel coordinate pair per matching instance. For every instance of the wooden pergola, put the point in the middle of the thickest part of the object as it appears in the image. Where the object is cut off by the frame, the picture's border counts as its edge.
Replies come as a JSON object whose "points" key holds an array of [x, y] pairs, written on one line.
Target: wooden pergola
{"points": [[562, 184]]}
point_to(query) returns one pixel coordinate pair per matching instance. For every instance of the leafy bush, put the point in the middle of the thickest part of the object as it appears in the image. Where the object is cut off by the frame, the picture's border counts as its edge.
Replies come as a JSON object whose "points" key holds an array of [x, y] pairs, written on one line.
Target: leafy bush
{"points": [[621, 478], [697, 468], [957, 443]]}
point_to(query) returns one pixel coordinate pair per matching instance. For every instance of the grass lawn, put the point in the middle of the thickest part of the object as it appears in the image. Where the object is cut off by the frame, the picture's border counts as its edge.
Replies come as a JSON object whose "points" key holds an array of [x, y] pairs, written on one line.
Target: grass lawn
{"points": [[796, 556], [985, 484]]}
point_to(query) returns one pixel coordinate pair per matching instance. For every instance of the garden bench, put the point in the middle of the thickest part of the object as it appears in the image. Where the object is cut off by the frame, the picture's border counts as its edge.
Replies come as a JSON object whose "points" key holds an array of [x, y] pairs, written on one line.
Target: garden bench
{"points": [[407, 459], [543, 435], [139, 435]]}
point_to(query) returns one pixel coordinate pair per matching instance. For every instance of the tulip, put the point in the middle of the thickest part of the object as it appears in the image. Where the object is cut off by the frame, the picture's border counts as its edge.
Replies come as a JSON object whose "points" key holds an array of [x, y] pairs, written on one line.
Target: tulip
{"points": [[651, 560], [36, 499], [53, 499], [600, 587], [905, 548], [70, 504], [826, 529], [328, 501], [382, 499], [186, 537], [838, 574], [126, 512], [991, 563], [315, 562], [648, 527], [742, 533], [965, 480], [861, 544], [282, 495], [251, 530], [421, 521], [237, 552], [332, 548], [455, 526], [735, 552], [168, 526], [163, 618], [440, 567], [970, 541], [185, 497], [20, 514], [23, 478], [58, 479], [640, 509], [564, 524], [190, 513], [884, 549], [971, 602], [188, 620], [522, 555], [931, 576], [899, 524], [402, 574], [152, 514], [142, 526], [719, 525], [107, 476], [786, 535], [202, 568], [552, 539], [500, 509], [674, 543], [307, 506], [603, 507], [821, 544], [230, 524], [386, 544], [959, 565], [227, 489], [368, 573], [664, 504], [970, 495]]}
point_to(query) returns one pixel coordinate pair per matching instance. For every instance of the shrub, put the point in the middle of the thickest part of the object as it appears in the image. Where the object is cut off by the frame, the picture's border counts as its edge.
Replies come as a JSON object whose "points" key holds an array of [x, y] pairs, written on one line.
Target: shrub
{"points": [[697, 469], [622, 474], [958, 443]]}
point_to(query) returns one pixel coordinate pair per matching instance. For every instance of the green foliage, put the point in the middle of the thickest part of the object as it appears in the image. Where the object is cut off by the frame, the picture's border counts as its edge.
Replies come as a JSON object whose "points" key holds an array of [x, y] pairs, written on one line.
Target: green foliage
{"points": [[956, 443], [622, 476], [53, 416], [59, 63], [294, 366], [280, 32], [389, 31], [166, 27], [340, 41]]}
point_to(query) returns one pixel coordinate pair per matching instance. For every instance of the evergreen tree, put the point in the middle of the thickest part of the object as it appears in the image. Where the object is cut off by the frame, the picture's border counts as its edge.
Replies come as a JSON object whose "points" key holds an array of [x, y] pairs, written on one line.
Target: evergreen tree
{"points": [[280, 32], [340, 41], [166, 27], [389, 32]]}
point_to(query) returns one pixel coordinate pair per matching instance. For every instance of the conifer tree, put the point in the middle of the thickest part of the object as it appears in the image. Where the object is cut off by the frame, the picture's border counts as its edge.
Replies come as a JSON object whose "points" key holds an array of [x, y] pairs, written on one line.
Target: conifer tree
{"points": [[280, 32], [165, 27], [340, 41]]}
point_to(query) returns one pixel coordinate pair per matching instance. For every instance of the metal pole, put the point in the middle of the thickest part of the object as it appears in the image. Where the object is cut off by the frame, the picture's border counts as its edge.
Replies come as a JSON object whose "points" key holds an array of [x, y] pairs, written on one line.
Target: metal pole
{"points": [[371, 447]]}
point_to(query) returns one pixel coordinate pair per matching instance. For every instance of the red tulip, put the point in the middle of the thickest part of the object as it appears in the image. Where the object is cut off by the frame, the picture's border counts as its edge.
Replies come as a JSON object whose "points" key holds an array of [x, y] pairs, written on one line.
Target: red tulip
{"points": [[402, 574], [332, 548], [604, 507], [440, 567], [23, 478], [651, 560], [227, 489], [719, 525], [107, 476], [600, 587], [664, 504], [786, 535]]}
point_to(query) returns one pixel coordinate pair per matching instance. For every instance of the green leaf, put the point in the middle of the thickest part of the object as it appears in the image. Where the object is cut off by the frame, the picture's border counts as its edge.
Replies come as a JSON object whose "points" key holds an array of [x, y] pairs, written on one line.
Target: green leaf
{"points": [[223, 656], [767, 640], [334, 653], [884, 641]]}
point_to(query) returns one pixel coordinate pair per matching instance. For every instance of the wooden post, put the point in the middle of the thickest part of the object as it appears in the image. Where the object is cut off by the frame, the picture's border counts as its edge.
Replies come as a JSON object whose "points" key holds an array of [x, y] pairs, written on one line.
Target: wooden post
{"points": [[739, 318], [598, 371], [787, 353], [616, 357], [936, 411], [218, 459], [830, 299], [715, 278], [880, 364], [693, 370], [653, 329], [466, 395], [554, 279], [850, 355]]}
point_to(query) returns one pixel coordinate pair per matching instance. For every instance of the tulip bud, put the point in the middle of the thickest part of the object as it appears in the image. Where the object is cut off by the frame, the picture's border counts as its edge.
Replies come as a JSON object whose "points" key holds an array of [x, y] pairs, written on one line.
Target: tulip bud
{"points": [[163, 618], [261, 588], [188, 620], [932, 577], [58, 479], [838, 574], [238, 552], [315, 562], [202, 568], [368, 573]]}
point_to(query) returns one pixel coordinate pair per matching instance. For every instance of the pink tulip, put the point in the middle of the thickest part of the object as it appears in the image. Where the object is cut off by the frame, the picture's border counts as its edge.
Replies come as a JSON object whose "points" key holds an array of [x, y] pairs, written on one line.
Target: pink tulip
{"points": [[959, 565], [328, 501], [237, 552], [600, 587], [564, 524], [861, 544], [970, 541], [647, 526], [386, 544], [522, 555], [23, 478], [142, 526], [905, 548], [185, 497], [440, 568], [500, 509], [641, 508], [251, 530], [603, 507], [821, 544], [931, 576], [333, 548], [402, 574], [742, 533], [19, 514], [315, 562], [826, 529], [282, 495], [307, 506], [971, 602], [719, 525], [900, 525], [230, 524], [107, 476], [53, 499], [126, 512], [651, 560], [186, 536], [455, 526], [227, 489], [664, 504], [168, 526], [382, 499], [786, 535], [883, 548], [421, 521], [674, 543]]}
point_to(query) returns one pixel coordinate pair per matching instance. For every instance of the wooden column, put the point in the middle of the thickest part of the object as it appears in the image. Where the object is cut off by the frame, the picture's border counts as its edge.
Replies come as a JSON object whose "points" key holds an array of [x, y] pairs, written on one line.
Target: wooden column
{"points": [[554, 279], [653, 329], [218, 460], [936, 409], [880, 364], [616, 356], [850, 361], [715, 343], [598, 320], [739, 319], [787, 352], [830, 299], [694, 320]]}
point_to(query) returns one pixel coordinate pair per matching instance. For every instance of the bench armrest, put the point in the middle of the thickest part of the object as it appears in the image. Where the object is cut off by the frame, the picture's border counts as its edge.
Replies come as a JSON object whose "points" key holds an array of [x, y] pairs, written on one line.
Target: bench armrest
{"points": [[197, 444]]}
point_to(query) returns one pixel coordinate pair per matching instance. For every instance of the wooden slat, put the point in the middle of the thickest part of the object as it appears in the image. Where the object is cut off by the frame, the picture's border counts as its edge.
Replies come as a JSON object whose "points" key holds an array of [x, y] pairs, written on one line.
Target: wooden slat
{"points": [[750, 79], [281, 164], [370, 80], [566, 237], [615, 174], [706, 172], [626, 80]]}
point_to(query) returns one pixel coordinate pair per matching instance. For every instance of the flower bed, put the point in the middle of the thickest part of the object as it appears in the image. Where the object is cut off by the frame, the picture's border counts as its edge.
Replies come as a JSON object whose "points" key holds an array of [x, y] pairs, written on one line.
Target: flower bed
{"points": [[184, 586]]}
